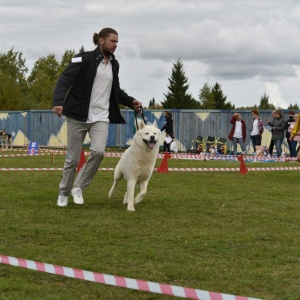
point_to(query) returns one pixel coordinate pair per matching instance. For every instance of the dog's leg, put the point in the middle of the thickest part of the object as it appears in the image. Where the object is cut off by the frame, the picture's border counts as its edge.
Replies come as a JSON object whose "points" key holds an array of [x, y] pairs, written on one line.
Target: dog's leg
{"points": [[142, 193], [112, 190], [118, 175], [125, 198], [130, 195]]}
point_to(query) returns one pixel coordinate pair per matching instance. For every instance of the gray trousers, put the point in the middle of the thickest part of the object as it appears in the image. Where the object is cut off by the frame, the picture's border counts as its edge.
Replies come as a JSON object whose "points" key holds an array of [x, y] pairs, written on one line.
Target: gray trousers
{"points": [[235, 141], [76, 133]]}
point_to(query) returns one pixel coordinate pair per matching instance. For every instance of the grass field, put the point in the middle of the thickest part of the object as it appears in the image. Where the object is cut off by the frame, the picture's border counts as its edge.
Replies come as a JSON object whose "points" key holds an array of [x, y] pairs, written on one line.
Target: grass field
{"points": [[215, 231]]}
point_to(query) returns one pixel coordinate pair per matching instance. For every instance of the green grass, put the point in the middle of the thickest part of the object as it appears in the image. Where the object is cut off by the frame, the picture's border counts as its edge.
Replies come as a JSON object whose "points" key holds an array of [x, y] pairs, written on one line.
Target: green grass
{"points": [[216, 231]]}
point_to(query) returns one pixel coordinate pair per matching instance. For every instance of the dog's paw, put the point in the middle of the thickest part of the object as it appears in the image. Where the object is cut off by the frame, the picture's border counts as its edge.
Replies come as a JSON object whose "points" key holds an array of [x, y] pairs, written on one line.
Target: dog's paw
{"points": [[130, 208]]}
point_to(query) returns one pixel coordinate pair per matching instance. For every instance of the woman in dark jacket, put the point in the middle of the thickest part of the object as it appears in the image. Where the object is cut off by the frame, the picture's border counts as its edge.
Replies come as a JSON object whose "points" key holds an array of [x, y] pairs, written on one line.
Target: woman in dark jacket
{"points": [[278, 126], [168, 127]]}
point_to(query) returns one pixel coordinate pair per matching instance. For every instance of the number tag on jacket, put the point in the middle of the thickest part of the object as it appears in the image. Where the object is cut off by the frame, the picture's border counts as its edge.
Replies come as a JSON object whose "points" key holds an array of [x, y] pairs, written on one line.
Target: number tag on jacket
{"points": [[76, 59]]}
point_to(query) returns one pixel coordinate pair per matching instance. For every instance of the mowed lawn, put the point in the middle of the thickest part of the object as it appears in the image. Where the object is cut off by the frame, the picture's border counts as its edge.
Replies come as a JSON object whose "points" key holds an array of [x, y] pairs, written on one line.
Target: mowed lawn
{"points": [[217, 231]]}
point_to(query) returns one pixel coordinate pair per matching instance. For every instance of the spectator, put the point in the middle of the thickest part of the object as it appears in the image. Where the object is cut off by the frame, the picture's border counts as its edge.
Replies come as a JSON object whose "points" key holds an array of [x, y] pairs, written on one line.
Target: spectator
{"points": [[238, 132], [168, 127], [257, 129], [288, 132], [278, 126], [294, 133], [271, 146], [296, 139]]}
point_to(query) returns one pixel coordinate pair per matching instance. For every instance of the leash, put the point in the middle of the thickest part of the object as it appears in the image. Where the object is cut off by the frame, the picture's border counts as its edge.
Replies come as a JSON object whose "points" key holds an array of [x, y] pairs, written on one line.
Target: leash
{"points": [[140, 112]]}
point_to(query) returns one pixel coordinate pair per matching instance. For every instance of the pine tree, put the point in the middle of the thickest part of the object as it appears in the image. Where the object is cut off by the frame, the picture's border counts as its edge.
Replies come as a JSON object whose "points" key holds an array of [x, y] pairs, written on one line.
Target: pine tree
{"points": [[206, 97], [219, 98], [264, 103], [81, 50], [213, 98], [293, 107], [152, 103], [177, 97]]}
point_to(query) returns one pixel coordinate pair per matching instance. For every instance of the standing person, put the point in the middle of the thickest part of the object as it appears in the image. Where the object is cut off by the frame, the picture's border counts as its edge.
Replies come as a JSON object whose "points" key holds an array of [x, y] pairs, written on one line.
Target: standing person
{"points": [[296, 131], [257, 129], [288, 132], [168, 127], [238, 132], [271, 146], [88, 93], [278, 126], [296, 138]]}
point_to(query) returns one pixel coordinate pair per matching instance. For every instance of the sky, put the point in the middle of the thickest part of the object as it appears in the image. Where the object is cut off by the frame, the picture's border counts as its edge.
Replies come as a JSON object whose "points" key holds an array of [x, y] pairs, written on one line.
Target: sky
{"points": [[250, 48]]}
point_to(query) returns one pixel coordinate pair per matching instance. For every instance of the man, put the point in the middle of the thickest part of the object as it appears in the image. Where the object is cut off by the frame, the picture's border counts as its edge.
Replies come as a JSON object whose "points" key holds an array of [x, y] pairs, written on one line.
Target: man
{"points": [[238, 132], [88, 93], [257, 129]]}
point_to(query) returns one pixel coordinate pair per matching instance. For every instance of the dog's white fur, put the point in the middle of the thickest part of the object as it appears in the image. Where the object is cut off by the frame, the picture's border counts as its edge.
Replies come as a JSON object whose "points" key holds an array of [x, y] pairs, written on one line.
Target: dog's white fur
{"points": [[137, 163]]}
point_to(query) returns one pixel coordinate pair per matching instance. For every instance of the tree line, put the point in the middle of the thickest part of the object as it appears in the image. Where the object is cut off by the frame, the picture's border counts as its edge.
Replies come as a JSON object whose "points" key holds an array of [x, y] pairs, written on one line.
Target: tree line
{"points": [[20, 91], [210, 97]]}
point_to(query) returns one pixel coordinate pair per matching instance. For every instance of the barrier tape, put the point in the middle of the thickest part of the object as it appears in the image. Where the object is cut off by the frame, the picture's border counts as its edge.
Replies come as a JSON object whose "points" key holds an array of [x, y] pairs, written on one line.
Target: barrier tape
{"points": [[16, 155], [129, 283], [247, 158], [170, 169]]}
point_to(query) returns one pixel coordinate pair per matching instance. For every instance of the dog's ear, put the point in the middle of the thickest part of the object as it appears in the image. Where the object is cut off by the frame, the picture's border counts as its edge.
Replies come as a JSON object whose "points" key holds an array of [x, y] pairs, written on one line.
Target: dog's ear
{"points": [[155, 124]]}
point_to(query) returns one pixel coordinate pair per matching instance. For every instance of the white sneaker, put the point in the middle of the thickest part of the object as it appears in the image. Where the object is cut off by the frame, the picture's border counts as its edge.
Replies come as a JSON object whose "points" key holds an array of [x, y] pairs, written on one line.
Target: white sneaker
{"points": [[77, 195], [62, 200]]}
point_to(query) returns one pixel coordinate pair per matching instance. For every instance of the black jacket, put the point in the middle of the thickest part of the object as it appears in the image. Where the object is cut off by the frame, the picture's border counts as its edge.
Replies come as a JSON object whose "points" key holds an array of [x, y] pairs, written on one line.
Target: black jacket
{"points": [[168, 126], [74, 87]]}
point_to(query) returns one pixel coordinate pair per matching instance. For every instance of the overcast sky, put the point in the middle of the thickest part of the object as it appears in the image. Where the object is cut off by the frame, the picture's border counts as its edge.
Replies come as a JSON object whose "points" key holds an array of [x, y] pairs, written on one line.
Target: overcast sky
{"points": [[249, 47]]}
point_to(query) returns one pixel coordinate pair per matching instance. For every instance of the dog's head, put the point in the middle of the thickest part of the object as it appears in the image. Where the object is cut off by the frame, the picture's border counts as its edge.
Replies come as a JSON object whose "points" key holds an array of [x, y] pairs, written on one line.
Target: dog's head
{"points": [[222, 149], [148, 135], [2, 132]]}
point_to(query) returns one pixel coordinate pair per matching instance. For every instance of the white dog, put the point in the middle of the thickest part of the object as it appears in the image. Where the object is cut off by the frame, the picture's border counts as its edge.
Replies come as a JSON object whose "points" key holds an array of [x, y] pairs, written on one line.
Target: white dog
{"points": [[137, 163]]}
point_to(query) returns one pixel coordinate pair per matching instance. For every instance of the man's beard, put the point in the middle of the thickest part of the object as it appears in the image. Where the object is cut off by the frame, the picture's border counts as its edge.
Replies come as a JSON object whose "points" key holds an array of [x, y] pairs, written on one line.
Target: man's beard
{"points": [[106, 52]]}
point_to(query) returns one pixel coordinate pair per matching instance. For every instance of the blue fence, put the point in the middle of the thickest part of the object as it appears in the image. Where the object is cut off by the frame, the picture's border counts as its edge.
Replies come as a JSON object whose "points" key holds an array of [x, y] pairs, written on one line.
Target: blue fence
{"points": [[48, 129]]}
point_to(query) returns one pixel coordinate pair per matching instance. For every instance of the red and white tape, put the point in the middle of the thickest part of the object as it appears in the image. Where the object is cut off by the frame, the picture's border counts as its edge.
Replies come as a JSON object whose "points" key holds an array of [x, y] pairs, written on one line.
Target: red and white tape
{"points": [[170, 169], [234, 169], [16, 155], [147, 286], [175, 156]]}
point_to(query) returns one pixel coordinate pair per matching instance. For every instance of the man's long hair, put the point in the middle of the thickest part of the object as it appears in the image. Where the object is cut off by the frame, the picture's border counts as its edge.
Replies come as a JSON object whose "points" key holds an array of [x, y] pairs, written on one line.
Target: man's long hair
{"points": [[104, 33]]}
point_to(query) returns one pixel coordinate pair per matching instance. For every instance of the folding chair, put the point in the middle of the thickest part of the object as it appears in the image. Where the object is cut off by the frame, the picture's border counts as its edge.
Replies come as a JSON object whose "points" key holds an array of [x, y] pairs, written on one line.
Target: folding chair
{"points": [[198, 144], [210, 141], [222, 145]]}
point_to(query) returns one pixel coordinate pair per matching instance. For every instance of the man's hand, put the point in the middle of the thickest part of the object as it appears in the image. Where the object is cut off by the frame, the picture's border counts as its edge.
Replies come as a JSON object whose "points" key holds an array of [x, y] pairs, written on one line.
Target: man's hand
{"points": [[136, 104], [57, 110]]}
